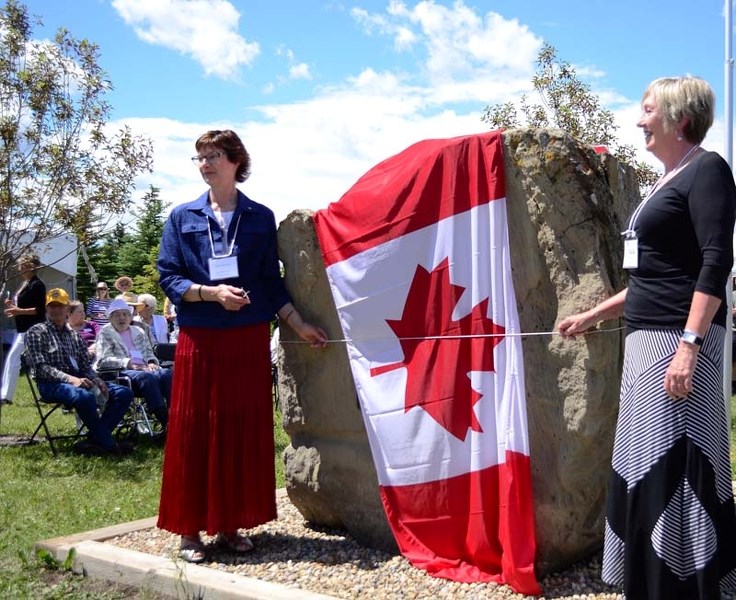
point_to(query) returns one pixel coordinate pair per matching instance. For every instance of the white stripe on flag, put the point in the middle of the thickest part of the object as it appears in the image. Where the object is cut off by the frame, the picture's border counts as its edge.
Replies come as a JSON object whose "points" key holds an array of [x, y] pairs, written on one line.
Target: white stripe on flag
{"points": [[371, 287]]}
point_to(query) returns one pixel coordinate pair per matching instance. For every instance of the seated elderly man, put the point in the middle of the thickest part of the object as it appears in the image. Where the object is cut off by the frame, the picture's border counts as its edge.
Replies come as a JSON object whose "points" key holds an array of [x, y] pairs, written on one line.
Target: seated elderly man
{"points": [[62, 368]]}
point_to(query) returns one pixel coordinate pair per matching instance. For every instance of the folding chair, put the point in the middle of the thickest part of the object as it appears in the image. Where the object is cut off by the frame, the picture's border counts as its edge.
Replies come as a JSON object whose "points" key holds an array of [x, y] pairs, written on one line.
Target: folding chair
{"points": [[45, 409]]}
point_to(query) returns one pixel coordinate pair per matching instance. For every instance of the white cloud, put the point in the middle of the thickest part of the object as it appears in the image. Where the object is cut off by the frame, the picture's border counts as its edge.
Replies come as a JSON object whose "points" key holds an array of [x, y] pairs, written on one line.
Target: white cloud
{"points": [[300, 71], [307, 154], [205, 30], [460, 44]]}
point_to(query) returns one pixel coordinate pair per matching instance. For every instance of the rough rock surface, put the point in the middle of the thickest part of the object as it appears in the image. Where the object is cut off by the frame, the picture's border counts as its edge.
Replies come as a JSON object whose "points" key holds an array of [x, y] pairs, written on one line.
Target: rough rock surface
{"points": [[566, 209]]}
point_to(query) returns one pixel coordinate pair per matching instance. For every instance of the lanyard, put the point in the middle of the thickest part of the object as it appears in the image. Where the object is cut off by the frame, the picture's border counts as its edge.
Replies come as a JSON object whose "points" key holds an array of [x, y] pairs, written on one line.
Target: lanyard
{"points": [[630, 233], [224, 235]]}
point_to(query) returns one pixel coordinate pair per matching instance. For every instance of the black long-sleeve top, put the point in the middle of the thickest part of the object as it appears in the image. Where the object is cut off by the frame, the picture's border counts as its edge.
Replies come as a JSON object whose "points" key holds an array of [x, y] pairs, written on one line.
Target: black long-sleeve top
{"points": [[685, 243], [32, 295]]}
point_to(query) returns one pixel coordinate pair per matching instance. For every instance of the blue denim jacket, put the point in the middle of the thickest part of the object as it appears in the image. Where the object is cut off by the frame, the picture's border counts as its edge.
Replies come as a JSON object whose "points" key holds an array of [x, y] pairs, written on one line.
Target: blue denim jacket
{"points": [[184, 256]]}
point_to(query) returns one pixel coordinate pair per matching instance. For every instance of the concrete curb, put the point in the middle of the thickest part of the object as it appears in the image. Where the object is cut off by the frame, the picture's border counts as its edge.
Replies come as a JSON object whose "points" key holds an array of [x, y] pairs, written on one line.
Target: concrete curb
{"points": [[97, 559]]}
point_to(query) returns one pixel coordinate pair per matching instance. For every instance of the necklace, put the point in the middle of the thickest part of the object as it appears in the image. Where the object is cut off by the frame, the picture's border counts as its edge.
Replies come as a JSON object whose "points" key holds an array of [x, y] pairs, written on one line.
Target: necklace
{"points": [[665, 178]]}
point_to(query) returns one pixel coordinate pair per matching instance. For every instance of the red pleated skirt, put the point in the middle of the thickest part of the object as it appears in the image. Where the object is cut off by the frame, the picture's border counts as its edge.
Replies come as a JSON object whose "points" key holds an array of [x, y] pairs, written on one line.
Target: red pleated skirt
{"points": [[218, 473]]}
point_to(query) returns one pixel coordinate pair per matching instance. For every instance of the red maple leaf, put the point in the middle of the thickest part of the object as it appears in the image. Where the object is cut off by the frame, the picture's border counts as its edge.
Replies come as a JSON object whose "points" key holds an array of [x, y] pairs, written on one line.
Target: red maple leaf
{"points": [[438, 369]]}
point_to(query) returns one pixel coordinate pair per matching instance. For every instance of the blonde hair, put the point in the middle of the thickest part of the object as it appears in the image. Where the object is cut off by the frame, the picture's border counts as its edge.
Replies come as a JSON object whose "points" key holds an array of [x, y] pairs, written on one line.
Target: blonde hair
{"points": [[684, 97]]}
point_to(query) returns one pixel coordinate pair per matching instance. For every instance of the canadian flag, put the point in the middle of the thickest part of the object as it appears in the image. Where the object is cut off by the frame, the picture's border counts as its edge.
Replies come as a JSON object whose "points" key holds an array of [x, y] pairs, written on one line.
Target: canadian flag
{"points": [[417, 257]]}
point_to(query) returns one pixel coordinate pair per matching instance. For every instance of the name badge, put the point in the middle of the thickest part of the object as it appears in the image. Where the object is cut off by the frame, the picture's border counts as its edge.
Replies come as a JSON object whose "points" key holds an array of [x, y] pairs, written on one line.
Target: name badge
{"points": [[631, 253], [225, 267]]}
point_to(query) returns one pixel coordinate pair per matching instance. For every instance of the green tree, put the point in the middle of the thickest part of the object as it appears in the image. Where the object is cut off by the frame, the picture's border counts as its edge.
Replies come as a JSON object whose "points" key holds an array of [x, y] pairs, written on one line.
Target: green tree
{"points": [[131, 249], [102, 256], [60, 169], [139, 251], [570, 105]]}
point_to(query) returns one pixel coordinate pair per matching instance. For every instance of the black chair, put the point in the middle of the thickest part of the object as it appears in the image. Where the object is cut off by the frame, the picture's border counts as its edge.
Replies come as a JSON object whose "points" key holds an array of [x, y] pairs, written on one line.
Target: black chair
{"points": [[45, 409], [165, 353]]}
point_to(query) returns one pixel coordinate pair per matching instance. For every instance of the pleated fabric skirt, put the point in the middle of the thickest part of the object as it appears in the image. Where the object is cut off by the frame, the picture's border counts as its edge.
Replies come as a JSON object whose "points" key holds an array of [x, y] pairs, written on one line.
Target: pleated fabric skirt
{"points": [[671, 526], [218, 472]]}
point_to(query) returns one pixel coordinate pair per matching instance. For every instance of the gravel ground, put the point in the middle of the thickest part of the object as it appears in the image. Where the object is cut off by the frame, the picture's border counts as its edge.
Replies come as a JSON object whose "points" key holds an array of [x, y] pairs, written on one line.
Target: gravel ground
{"points": [[330, 562]]}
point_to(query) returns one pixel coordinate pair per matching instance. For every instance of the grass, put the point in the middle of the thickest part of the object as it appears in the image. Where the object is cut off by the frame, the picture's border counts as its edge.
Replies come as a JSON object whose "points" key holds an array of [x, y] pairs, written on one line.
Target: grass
{"points": [[42, 497]]}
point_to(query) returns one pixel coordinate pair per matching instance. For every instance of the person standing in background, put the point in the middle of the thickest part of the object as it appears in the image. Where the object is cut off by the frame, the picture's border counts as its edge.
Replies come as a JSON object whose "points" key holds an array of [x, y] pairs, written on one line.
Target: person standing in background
{"points": [[28, 307]]}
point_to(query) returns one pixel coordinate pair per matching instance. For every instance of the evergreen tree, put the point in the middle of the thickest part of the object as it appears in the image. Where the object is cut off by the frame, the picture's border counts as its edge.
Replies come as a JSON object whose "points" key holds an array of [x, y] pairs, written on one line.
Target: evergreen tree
{"points": [[140, 250]]}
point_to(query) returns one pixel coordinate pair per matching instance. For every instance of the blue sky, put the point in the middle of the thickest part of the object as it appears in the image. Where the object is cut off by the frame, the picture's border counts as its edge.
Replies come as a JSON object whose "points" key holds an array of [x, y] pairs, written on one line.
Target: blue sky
{"points": [[322, 90]]}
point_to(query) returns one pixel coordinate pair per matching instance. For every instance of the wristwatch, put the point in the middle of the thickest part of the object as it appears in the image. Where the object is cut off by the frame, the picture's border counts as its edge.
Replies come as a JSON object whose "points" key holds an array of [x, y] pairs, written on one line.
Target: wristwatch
{"points": [[692, 338]]}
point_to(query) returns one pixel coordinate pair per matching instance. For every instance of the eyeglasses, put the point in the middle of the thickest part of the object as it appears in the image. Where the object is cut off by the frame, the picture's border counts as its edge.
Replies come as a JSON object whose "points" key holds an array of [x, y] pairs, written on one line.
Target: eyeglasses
{"points": [[211, 158]]}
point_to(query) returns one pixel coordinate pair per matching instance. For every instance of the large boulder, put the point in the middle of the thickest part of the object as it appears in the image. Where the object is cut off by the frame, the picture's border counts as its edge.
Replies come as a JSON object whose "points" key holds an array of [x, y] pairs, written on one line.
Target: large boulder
{"points": [[567, 207]]}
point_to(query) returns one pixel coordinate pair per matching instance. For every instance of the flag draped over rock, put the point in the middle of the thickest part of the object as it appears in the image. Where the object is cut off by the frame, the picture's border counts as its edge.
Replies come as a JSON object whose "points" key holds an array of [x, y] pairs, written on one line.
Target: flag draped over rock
{"points": [[417, 257]]}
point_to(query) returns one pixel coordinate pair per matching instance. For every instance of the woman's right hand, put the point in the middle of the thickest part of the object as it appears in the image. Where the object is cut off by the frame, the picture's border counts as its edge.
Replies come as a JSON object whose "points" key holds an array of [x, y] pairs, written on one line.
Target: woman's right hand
{"points": [[577, 324], [231, 297]]}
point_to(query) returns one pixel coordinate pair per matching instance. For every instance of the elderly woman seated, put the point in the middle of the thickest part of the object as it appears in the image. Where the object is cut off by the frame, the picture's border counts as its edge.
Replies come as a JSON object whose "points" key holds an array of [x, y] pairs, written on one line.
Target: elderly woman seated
{"points": [[87, 330], [158, 328], [126, 348]]}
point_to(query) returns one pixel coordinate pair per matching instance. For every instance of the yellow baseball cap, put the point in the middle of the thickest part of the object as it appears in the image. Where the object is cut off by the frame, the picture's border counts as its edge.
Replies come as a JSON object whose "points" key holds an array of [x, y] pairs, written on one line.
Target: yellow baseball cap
{"points": [[57, 296]]}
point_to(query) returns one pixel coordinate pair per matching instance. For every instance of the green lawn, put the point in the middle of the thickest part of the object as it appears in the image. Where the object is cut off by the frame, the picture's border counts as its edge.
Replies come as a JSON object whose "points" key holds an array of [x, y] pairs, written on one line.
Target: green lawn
{"points": [[42, 496]]}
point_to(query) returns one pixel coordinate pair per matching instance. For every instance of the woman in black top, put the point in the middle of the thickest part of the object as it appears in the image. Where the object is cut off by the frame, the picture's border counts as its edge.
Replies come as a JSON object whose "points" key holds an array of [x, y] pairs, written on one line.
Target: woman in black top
{"points": [[28, 307], [670, 524]]}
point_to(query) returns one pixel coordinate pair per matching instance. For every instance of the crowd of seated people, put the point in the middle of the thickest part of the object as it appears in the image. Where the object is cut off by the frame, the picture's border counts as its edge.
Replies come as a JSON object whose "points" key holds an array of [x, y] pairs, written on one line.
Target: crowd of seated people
{"points": [[62, 367], [67, 351]]}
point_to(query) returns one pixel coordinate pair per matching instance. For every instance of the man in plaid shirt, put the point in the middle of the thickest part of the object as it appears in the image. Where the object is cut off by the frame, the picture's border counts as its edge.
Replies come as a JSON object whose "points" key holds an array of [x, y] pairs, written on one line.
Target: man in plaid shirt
{"points": [[61, 366]]}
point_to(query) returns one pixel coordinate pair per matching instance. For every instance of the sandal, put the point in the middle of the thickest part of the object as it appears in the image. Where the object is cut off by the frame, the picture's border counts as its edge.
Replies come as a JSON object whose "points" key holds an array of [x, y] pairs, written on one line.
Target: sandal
{"points": [[192, 551], [239, 544]]}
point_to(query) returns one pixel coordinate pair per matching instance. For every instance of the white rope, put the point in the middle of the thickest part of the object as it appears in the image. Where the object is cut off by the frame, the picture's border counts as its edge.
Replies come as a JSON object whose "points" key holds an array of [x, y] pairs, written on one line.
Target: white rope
{"points": [[454, 337]]}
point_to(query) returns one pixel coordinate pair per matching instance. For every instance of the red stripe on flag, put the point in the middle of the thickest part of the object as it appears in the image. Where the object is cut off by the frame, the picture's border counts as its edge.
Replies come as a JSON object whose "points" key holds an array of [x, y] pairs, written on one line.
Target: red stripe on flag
{"points": [[474, 527], [465, 172]]}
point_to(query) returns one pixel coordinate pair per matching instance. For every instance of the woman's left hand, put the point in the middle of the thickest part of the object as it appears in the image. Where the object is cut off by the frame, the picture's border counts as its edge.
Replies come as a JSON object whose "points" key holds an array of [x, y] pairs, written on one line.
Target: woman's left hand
{"points": [[678, 380], [316, 336]]}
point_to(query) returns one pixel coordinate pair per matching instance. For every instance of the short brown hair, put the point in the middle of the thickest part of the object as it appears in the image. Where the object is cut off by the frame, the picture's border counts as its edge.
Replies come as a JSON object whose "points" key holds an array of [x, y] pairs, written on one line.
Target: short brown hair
{"points": [[229, 142]]}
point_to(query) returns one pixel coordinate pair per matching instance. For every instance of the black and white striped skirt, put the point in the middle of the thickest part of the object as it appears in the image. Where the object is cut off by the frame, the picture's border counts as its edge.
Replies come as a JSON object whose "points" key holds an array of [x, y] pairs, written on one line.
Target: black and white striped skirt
{"points": [[670, 524]]}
